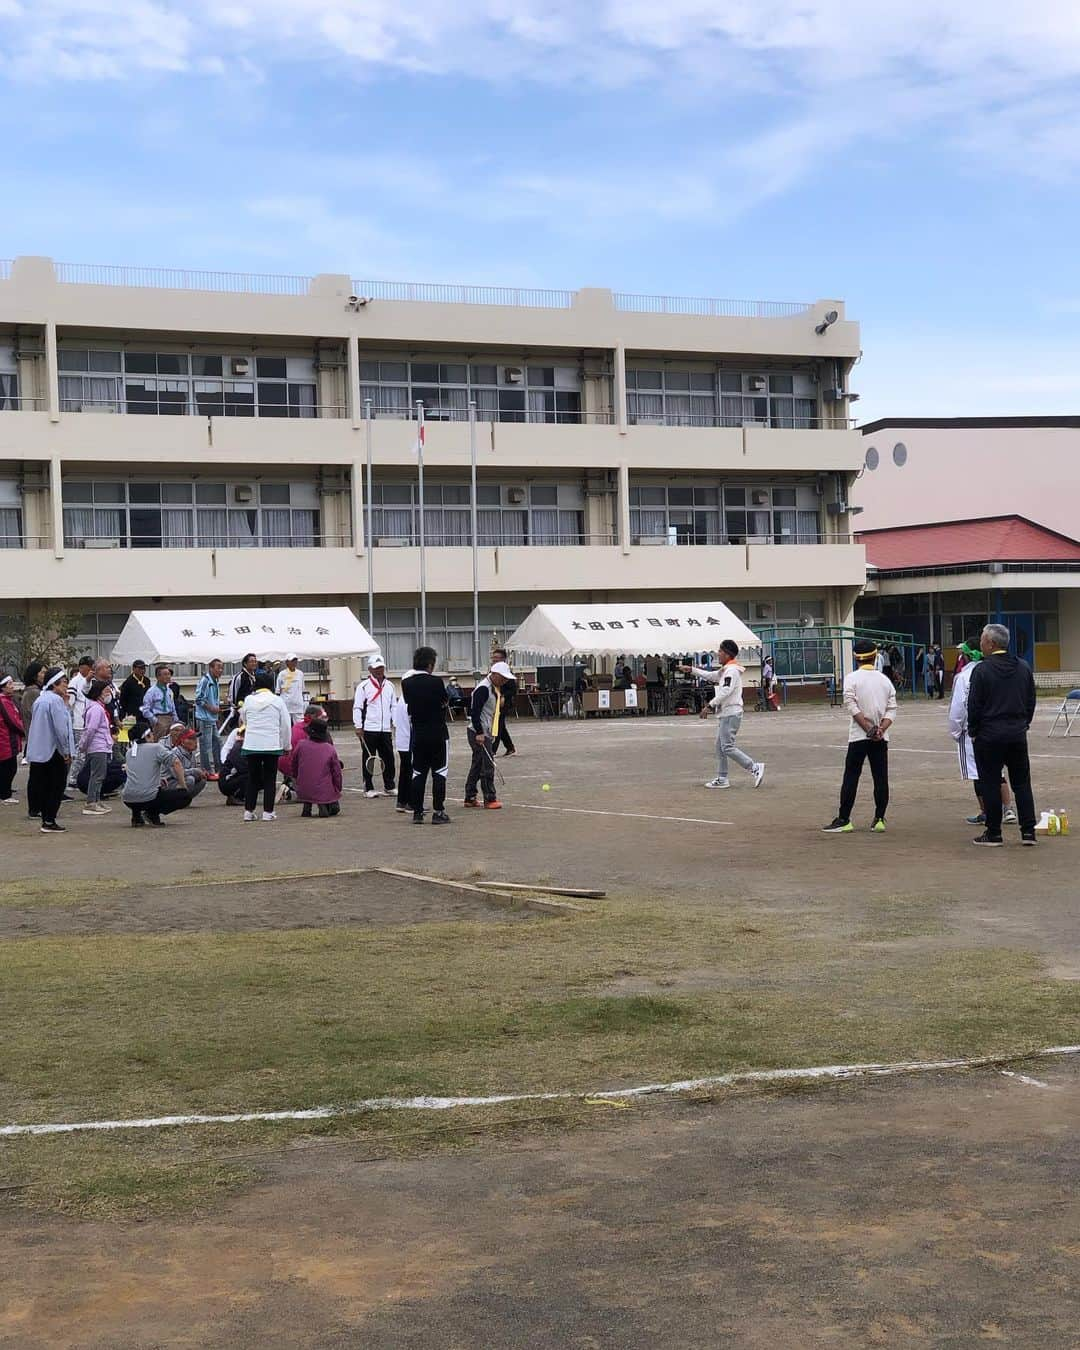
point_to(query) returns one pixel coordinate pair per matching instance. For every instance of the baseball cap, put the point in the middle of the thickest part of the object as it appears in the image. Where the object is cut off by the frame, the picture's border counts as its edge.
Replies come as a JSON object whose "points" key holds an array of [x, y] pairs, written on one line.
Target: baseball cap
{"points": [[291, 656], [501, 668], [375, 660]]}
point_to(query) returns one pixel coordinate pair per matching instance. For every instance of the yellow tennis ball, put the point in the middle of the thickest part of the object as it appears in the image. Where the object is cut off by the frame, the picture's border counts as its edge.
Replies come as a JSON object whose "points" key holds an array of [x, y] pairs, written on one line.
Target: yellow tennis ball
{"points": [[545, 787]]}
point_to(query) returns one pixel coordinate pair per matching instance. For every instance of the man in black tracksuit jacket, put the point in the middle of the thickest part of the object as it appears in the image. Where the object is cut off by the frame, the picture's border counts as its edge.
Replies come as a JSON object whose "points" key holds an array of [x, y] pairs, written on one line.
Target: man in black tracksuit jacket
{"points": [[1001, 705]]}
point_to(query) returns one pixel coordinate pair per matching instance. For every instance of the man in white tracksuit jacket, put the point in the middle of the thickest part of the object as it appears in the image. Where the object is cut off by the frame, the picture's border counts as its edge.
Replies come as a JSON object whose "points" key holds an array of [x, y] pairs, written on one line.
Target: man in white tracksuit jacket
{"points": [[728, 703], [373, 718]]}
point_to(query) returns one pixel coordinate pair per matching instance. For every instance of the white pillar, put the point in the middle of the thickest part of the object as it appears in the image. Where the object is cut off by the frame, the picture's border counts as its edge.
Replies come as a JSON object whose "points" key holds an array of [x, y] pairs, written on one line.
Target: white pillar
{"points": [[624, 507], [356, 412], [356, 483], [52, 379], [56, 496], [620, 388]]}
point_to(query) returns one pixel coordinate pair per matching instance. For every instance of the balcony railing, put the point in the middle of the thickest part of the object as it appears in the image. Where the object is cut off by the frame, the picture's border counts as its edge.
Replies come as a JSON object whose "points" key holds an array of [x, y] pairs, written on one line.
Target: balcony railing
{"points": [[19, 402], [495, 539], [428, 292], [144, 408], [709, 539], [710, 309], [178, 279], [724, 420], [398, 413], [106, 543]]}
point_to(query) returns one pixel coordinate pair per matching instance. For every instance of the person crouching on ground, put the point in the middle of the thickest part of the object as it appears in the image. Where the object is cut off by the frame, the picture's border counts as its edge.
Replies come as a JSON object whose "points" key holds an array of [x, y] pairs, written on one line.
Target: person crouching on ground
{"points": [[185, 741], [267, 737], [870, 698], [50, 747], [485, 720], [96, 746], [149, 764], [314, 712], [728, 702], [234, 775], [318, 771]]}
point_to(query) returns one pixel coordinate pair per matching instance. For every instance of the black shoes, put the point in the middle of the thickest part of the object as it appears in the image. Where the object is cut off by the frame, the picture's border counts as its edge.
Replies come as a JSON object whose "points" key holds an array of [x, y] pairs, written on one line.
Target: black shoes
{"points": [[989, 840], [306, 812], [1027, 838], [51, 827], [440, 818], [418, 817]]}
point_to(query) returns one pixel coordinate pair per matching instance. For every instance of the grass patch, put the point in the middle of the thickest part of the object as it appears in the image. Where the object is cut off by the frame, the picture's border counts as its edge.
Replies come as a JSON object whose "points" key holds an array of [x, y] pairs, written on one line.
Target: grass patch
{"points": [[887, 918], [111, 1026], [33, 892]]}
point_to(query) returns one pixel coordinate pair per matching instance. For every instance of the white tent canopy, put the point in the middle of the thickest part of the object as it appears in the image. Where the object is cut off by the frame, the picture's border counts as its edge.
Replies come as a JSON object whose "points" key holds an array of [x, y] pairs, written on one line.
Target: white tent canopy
{"points": [[641, 629], [199, 635]]}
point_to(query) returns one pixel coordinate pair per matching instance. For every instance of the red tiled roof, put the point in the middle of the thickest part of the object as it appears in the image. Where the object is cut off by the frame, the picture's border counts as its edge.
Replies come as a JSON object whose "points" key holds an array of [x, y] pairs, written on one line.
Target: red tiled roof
{"points": [[960, 542]]}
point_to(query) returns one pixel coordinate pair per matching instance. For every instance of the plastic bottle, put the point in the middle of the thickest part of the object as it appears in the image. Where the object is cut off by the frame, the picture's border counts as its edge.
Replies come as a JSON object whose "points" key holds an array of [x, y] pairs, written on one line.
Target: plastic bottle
{"points": [[1063, 821], [1053, 823]]}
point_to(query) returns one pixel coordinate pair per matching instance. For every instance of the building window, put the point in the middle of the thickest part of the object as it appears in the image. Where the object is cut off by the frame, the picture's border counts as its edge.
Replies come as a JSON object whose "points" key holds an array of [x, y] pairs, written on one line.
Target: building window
{"points": [[205, 385], [663, 397], [731, 514], [449, 631], [543, 514], [502, 393], [190, 515], [9, 379]]}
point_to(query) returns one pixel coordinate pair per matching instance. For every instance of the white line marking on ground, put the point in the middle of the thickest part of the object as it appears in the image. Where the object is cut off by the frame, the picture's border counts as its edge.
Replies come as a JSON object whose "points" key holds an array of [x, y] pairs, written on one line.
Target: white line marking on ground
{"points": [[917, 750], [824, 1072], [1029, 1082], [626, 815]]}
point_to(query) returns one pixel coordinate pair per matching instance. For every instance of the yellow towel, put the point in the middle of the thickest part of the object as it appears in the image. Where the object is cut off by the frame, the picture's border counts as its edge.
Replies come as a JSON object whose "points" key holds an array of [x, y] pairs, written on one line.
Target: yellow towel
{"points": [[498, 713]]}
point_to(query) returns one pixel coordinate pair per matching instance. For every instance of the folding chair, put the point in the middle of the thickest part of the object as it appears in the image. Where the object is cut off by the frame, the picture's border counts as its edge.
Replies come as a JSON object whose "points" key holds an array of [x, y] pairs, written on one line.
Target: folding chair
{"points": [[1069, 712]]}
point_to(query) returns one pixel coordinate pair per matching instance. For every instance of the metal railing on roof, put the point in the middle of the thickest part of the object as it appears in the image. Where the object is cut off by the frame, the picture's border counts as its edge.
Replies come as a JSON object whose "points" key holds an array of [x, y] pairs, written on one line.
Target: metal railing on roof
{"points": [[438, 293], [178, 279], [711, 309]]}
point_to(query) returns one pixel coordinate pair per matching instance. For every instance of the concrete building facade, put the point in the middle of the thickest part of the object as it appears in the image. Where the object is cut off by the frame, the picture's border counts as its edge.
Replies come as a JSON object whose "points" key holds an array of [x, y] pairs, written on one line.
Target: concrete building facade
{"points": [[191, 440]]}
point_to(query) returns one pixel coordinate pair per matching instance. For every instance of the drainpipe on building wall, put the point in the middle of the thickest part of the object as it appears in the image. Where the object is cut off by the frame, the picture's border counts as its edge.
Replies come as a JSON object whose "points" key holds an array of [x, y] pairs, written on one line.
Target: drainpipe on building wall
{"points": [[620, 388], [624, 507]]}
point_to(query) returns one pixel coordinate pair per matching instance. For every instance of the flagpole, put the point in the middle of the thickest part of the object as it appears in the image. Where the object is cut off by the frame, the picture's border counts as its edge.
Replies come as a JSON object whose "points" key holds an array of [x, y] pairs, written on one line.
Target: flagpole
{"points": [[420, 489], [370, 517], [475, 547]]}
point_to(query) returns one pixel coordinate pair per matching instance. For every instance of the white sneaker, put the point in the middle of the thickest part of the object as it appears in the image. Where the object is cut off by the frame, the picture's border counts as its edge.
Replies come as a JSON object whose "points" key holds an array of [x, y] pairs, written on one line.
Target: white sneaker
{"points": [[1009, 817], [759, 774], [249, 815], [9, 801], [717, 783], [269, 815], [372, 793], [96, 809]]}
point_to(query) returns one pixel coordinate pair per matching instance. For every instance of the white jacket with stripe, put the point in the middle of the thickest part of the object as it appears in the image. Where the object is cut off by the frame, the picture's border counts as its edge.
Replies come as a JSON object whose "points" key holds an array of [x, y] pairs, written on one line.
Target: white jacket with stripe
{"points": [[373, 706]]}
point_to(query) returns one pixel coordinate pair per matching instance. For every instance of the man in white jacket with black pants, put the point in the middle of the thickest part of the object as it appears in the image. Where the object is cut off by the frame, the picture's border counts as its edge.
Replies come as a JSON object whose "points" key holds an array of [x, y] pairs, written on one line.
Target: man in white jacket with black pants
{"points": [[727, 700], [373, 718]]}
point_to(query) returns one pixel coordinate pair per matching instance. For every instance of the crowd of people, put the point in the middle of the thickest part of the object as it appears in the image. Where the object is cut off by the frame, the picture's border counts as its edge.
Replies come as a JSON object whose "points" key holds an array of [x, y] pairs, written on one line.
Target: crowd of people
{"points": [[80, 731], [262, 742]]}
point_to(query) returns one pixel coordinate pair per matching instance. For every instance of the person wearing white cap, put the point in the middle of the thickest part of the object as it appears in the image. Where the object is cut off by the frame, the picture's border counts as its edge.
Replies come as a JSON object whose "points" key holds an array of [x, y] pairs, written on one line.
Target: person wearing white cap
{"points": [[485, 719], [50, 747], [373, 718], [290, 688]]}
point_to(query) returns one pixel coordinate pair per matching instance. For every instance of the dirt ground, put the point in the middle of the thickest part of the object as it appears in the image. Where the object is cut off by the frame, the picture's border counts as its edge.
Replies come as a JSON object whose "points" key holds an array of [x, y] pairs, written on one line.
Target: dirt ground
{"points": [[364, 898], [937, 1211], [920, 1212]]}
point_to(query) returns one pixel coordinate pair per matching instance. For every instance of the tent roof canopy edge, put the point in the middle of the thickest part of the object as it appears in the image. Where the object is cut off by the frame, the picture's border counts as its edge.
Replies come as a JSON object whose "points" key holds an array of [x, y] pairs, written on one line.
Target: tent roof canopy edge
{"points": [[640, 628], [200, 635]]}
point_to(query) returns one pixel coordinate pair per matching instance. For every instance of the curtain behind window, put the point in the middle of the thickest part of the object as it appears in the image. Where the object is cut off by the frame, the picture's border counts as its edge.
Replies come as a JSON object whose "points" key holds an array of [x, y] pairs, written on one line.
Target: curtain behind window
{"points": [[392, 522], [545, 526], [649, 524], [11, 527], [276, 532], [9, 388], [176, 528], [213, 528], [242, 528], [487, 404]]}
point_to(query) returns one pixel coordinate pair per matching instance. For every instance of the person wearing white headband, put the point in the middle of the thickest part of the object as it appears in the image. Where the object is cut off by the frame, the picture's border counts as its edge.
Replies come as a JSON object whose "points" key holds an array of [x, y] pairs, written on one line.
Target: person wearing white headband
{"points": [[50, 746], [12, 735]]}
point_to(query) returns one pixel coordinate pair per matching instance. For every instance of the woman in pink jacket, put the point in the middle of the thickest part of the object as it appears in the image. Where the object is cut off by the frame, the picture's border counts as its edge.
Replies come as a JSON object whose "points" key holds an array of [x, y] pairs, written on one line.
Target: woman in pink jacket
{"points": [[318, 771], [96, 743], [12, 735]]}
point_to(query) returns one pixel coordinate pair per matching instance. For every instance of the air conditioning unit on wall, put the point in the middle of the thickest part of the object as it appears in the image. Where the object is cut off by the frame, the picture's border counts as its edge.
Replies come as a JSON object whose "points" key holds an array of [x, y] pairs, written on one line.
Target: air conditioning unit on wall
{"points": [[243, 492], [513, 375]]}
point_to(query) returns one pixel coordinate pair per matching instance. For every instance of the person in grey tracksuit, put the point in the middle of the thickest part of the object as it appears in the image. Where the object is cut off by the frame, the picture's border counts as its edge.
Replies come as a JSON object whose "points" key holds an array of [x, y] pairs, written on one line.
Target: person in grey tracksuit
{"points": [[728, 702]]}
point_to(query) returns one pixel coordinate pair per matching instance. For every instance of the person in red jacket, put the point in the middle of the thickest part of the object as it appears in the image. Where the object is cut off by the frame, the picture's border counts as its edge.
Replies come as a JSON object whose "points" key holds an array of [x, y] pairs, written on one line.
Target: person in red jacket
{"points": [[318, 771], [12, 735]]}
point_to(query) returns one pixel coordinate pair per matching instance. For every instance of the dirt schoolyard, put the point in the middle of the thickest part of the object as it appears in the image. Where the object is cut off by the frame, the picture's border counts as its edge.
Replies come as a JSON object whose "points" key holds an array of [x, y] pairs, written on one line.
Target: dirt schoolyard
{"points": [[734, 935]]}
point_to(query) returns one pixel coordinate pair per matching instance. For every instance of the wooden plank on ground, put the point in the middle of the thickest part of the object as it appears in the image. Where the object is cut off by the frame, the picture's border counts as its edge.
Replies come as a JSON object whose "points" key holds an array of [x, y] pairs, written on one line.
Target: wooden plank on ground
{"points": [[504, 898], [578, 892]]}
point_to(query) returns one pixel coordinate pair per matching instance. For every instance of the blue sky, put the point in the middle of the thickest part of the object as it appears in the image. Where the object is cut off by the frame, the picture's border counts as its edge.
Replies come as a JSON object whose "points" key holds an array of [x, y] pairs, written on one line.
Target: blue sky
{"points": [[922, 165]]}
